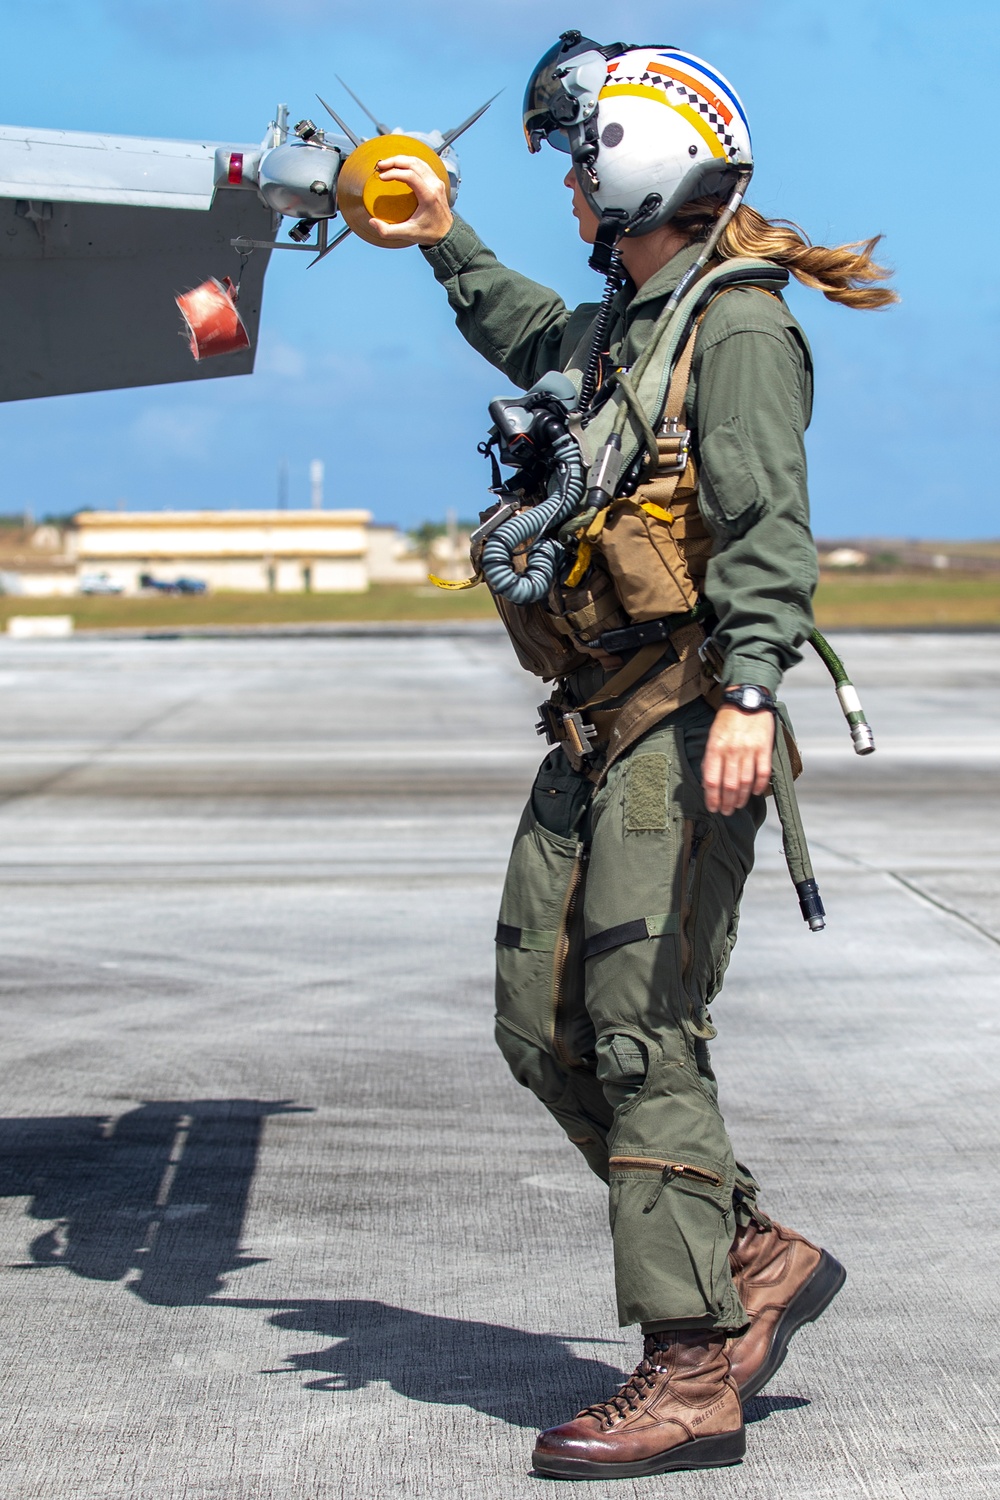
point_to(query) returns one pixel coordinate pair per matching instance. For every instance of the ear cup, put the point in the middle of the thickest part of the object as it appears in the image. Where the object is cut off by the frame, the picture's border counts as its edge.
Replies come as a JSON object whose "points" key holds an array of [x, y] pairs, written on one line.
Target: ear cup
{"points": [[362, 195]]}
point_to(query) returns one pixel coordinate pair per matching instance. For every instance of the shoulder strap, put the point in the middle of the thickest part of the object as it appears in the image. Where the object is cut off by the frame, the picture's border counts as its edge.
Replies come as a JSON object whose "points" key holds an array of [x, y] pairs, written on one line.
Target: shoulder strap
{"points": [[651, 376]]}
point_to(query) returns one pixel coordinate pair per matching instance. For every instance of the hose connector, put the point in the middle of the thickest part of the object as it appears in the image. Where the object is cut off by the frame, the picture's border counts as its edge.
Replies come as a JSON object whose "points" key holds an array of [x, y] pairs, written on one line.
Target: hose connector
{"points": [[862, 736], [861, 730], [811, 904]]}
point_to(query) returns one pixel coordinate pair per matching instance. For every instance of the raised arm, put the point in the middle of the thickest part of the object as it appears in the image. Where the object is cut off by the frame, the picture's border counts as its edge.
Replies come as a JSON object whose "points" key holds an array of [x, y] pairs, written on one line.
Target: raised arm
{"points": [[519, 326]]}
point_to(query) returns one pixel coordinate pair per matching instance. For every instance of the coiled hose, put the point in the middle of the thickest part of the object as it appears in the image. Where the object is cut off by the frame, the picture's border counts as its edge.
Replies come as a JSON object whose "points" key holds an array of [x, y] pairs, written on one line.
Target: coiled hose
{"points": [[602, 327], [497, 562]]}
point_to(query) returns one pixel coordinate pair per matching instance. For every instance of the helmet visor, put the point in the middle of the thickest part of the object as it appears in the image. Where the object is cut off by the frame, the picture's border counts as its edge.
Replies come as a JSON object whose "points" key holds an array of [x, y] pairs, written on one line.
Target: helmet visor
{"points": [[548, 105]]}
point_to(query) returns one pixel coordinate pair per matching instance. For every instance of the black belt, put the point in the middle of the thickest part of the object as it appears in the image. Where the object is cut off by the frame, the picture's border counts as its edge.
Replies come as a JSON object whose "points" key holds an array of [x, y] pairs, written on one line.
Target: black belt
{"points": [[631, 637]]}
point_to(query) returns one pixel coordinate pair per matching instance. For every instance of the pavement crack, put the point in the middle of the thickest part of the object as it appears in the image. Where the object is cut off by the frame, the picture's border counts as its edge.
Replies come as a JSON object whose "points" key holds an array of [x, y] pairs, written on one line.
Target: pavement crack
{"points": [[48, 782], [951, 911], [913, 889]]}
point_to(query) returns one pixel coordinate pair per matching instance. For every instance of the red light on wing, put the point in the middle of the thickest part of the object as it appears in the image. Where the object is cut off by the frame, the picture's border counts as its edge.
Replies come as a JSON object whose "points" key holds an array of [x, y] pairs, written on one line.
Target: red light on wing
{"points": [[235, 168]]}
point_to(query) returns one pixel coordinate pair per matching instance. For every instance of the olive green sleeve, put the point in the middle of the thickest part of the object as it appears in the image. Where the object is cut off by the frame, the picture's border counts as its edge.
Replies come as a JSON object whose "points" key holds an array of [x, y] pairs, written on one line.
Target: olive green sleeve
{"points": [[518, 325], [753, 401]]}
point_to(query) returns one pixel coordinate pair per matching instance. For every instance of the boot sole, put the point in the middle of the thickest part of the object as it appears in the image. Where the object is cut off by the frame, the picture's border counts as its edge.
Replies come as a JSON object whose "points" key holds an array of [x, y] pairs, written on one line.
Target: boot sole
{"points": [[698, 1453], [805, 1307]]}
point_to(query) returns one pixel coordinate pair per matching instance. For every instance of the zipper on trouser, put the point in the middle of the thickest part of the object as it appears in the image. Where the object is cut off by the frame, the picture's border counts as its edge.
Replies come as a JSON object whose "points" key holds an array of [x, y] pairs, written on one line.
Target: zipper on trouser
{"points": [[560, 955], [666, 1170], [696, 847]]}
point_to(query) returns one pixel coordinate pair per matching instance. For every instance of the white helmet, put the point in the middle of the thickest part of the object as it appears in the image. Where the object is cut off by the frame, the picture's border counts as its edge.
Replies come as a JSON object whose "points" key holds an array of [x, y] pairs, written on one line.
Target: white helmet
{"points": [[648, 128]]}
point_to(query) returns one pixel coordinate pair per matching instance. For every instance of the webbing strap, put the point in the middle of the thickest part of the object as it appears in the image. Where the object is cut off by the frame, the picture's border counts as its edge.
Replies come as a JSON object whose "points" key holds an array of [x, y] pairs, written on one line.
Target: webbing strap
{"points": [[628, 676], [677, 393], [533, 939], [632, 932], [650, 374]]}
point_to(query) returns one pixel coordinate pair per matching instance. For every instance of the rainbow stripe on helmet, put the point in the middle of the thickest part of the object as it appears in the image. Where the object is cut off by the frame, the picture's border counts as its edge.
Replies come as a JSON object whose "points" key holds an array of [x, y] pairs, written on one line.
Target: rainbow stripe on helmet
{"points": [[708, 107]]}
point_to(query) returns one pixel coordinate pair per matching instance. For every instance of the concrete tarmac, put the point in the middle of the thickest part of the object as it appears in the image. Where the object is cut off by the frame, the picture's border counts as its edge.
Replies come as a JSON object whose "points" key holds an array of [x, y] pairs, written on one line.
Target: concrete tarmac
{"points": [[275, 1224]]}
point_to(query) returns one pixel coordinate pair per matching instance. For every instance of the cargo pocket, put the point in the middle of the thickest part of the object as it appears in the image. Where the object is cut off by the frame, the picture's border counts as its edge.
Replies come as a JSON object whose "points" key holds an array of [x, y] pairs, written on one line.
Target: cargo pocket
{"points": [[539, 990], [673, 1224], [730, 492]]}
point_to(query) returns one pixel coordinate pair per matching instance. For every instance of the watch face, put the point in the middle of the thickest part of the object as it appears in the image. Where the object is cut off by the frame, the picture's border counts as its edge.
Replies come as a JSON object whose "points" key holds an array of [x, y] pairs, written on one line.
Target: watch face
{"points": [[752, 697]]}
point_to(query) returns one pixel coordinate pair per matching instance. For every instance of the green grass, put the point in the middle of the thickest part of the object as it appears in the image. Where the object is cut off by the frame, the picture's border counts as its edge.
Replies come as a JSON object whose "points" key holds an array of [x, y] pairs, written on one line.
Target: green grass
{"points": [[381, 602], [857, 599], [901, 599]]}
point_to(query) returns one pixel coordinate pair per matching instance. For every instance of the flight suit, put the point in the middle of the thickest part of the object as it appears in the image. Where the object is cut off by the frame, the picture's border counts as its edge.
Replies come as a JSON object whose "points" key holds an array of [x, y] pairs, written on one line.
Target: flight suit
{"points": [[621, 902]]}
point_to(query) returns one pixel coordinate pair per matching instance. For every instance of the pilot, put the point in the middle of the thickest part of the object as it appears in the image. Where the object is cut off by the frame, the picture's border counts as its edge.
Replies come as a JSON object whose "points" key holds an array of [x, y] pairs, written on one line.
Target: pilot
{"points": [[677, 604]]}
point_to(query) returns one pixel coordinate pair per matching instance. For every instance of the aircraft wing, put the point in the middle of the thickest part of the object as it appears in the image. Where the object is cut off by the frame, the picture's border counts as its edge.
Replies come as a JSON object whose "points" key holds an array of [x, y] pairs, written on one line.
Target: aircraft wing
{"points": [[98, 234]]}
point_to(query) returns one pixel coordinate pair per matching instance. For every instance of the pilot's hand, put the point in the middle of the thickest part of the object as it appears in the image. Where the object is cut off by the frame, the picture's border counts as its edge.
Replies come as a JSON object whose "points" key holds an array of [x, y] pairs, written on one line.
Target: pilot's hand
{"points": [[737, 760], [433, 217]]}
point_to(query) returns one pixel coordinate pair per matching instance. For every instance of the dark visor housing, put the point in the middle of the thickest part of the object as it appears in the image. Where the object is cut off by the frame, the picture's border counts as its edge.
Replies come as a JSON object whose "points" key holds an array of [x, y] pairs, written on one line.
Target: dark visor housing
{"points": [[549, 106]]}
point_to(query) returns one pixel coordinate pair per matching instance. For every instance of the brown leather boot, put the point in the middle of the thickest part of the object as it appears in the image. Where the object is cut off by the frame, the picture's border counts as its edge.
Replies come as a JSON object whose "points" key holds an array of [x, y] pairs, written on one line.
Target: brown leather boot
{"points": [[679, 1410], [783, 1281]]}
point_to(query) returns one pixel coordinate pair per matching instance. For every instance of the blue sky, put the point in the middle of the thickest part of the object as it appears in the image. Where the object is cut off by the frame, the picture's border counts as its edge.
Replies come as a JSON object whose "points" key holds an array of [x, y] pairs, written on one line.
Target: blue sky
{"points": [[866, 119]]}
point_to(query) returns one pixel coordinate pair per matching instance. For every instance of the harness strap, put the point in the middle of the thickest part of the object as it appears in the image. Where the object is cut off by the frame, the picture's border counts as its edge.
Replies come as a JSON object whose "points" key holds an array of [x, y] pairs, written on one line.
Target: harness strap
{"points": [[628, 676]]}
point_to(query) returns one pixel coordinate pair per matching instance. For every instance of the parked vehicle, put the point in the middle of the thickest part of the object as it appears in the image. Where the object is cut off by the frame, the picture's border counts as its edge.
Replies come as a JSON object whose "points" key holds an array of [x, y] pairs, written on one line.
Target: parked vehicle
{"points": [[172, 586], [99, 583]]}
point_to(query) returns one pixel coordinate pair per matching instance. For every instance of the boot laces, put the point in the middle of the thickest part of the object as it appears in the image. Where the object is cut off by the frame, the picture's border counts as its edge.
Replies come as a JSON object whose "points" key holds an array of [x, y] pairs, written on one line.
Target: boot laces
{"points": [[630, 1397]]}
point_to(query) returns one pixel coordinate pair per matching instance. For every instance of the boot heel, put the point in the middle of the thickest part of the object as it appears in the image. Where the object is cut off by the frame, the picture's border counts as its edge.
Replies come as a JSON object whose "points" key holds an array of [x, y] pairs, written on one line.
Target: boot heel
{"points": [[714, 1452]]}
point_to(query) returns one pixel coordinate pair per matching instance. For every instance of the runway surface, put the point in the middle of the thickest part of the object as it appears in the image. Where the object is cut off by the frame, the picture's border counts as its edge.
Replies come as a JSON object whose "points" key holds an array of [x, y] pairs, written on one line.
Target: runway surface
{"points": [[275, 1224]]}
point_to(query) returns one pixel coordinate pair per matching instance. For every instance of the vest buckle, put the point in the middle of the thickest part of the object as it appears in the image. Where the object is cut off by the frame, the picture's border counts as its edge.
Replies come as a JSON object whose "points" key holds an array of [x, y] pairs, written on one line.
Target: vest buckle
{"points": [[566, 727], [674, 444]]}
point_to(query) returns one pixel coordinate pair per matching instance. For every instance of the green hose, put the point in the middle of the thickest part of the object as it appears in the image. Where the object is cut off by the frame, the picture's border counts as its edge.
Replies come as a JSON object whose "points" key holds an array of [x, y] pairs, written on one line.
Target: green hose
{"points": [[847, 693]]}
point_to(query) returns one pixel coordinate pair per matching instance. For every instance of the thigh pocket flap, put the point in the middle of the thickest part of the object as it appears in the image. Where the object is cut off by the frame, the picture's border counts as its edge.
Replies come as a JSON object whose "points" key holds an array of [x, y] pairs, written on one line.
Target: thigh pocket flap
{"points": [[534, 972]]}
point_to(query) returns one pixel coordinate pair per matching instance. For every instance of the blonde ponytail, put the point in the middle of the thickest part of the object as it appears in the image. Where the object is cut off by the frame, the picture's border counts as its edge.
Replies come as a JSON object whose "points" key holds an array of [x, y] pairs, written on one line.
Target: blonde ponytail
{"points": [[843, 273]]}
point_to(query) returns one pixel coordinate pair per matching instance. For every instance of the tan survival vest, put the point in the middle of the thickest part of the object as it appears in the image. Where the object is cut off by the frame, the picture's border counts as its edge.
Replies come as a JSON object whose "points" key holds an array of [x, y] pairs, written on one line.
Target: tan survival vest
{"points": [[640, 562], [640, 559]]}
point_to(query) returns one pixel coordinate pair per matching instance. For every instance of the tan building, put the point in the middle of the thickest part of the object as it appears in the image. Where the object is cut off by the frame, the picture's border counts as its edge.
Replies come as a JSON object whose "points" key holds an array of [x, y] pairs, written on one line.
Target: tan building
{"points": [[283, 551], [35, 563]]}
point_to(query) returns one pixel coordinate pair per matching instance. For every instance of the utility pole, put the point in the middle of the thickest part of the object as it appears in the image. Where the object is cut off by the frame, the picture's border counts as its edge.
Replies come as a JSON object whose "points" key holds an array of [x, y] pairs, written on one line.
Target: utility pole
{"points": [[316, 483], [283, 484]]}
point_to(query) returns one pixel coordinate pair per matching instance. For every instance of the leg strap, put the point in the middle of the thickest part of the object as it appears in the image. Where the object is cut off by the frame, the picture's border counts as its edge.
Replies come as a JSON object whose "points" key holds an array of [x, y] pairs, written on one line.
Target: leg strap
{"points": [[534, 939], [632, 932]]}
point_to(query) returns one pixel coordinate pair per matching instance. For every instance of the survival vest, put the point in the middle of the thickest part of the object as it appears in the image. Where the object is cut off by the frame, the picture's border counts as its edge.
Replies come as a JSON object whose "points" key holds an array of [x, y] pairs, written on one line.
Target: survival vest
{"points": [[633, 599]]}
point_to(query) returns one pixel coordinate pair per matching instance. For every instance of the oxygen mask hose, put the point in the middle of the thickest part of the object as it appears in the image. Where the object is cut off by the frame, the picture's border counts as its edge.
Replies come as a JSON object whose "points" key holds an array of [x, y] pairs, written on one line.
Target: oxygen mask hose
{"points": [[847, 693], [602, 328], [544, 556]]}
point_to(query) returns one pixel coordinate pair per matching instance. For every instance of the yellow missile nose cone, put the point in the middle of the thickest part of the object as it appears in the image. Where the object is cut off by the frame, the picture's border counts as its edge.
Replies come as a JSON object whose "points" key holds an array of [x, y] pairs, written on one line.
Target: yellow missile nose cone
{"points": [[362, 195]]}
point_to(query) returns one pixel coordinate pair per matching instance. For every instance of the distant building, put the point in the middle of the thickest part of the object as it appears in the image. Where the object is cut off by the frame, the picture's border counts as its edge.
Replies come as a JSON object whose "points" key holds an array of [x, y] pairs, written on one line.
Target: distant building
{"points": [[34, 562], [390, 558], [253, 551], [844, 557]]}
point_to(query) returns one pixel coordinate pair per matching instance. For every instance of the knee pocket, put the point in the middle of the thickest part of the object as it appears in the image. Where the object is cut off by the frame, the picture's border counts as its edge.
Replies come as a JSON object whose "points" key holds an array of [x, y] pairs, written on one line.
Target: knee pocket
{"points": [[622, 1066], [533, 1068]]}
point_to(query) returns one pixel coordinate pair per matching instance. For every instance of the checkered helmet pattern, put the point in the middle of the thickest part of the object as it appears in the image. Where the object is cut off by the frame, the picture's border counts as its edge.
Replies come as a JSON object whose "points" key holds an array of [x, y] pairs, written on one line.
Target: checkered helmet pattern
{"points": [[670, 128]]}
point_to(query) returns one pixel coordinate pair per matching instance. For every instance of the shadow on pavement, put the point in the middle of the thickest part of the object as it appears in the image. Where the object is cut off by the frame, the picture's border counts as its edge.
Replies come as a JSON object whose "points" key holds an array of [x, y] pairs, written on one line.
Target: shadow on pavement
{"points": [[161, 1191], [527, 1379], [159, 1195], [759, 1408]]}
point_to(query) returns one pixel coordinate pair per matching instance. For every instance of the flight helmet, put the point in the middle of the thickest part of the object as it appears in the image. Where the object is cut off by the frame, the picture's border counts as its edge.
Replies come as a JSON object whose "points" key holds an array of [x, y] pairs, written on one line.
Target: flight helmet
{"points": [[648, 128]]}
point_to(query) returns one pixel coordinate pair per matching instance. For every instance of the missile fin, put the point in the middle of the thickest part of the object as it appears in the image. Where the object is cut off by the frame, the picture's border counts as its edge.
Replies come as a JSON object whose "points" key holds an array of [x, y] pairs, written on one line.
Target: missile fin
{"points": [[453, 135], [355, 140], [382, 129]]}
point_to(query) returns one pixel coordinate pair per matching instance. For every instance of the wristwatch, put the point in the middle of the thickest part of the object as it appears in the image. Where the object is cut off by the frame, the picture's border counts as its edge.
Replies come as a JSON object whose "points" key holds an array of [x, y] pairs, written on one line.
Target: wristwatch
{"points": [[749, 699]]}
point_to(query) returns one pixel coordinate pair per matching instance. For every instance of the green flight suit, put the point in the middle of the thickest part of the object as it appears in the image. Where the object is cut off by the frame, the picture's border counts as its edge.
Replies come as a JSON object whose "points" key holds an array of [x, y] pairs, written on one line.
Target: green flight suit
{"points": [[620, 906]]}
